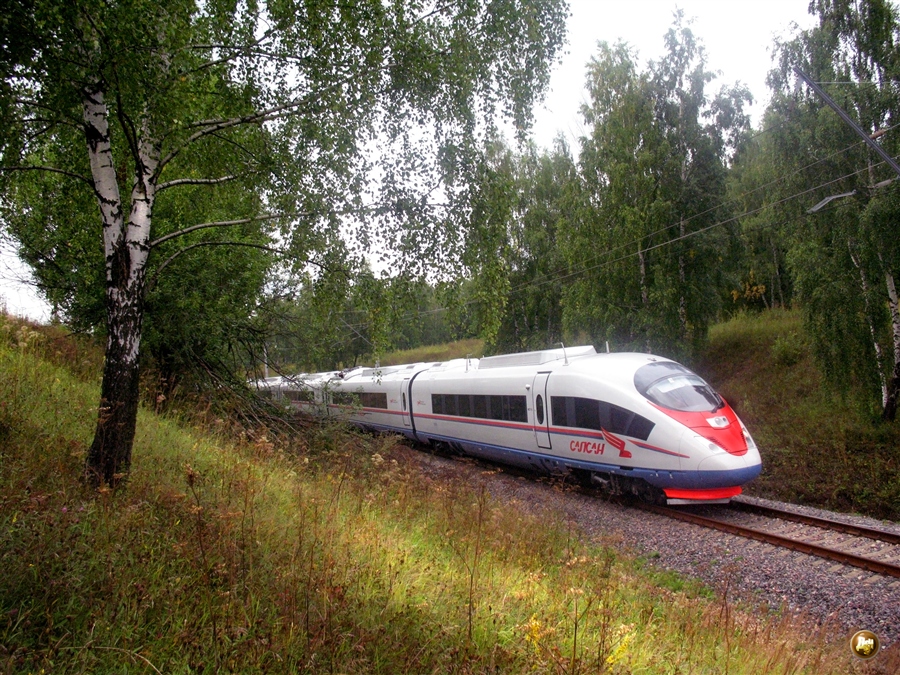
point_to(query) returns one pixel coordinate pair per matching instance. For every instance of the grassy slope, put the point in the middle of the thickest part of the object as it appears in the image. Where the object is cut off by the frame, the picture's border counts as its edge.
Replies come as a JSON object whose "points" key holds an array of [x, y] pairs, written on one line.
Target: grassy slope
{"points": [[816, 448], [336, 555], [454, 350]]}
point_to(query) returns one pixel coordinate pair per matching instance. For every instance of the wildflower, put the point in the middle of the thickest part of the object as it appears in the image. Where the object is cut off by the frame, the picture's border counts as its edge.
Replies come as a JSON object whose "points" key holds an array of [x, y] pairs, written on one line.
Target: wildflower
{"points": [[533, 632], [624, 635]]}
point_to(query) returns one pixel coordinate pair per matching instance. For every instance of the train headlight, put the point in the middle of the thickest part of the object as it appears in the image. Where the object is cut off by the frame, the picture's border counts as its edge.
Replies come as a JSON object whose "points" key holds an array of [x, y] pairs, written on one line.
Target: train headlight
{"points": [[719, 422], [704, 442], [751, 444]]}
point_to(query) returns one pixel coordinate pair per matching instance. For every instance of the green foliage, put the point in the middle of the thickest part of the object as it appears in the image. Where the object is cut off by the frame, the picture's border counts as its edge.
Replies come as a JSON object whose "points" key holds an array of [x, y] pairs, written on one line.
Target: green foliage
{"points": [[337, 320], [843, 257], [788, 350], [546, 191], [761, 278], [653, 172], [338, 555]]}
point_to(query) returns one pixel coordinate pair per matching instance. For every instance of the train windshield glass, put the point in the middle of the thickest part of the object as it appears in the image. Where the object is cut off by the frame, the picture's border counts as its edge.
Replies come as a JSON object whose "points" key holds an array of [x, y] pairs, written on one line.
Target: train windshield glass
{"points": [[673, 386]]}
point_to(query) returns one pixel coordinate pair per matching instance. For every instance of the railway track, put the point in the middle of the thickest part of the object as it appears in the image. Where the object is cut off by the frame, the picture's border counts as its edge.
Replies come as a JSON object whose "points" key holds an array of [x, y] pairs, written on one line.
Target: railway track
{"points": [[870, 549]]}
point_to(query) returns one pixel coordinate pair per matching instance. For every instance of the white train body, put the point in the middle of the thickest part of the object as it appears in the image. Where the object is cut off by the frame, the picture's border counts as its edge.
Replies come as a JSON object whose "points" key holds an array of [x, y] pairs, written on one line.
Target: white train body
{"points": [[635, 422]]}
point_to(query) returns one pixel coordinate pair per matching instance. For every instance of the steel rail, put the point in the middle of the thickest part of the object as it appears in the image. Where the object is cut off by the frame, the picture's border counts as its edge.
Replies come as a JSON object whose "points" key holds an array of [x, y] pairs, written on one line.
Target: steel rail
{"points": [[778, 540], [825, 523]]}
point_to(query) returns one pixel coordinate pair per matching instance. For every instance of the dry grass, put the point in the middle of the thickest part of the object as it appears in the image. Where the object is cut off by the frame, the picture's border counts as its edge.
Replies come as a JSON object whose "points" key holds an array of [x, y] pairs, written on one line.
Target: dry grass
{"points": [[817, 449], [329, 552], [444, 352]]}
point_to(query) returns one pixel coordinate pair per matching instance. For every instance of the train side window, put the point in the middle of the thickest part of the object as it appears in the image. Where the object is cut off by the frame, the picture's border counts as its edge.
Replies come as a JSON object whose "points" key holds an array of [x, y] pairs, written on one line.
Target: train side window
{"points": [[480, 406], [496, 412], [619, 419], [587, 413], [343, 398], [509, 408], [640, 427], [377, 399], [299, 395], [403, 400], [539, 409], [465, 407], [518, 409], [558, 411]]}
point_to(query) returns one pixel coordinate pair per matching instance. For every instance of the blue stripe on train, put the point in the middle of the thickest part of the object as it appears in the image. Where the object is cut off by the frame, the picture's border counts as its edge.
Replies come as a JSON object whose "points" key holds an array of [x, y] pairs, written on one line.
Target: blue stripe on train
{"points": [[689, 480]]}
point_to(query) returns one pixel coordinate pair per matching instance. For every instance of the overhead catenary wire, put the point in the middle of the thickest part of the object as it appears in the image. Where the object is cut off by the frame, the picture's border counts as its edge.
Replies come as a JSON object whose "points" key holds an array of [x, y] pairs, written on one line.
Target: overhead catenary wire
{"points": [[668, 242], [607, 260], [719, 206], [535, 283]]}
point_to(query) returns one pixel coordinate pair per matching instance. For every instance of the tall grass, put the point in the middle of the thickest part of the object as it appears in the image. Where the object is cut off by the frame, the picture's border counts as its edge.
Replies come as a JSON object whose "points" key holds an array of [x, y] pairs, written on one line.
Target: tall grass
{"points": [[817, 448], [334, 553], [443, 352]]}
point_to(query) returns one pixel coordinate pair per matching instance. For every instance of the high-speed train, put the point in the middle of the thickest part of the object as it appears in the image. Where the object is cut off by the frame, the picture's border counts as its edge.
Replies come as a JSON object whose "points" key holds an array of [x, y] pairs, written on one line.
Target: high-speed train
{"points": [[634, 423]]}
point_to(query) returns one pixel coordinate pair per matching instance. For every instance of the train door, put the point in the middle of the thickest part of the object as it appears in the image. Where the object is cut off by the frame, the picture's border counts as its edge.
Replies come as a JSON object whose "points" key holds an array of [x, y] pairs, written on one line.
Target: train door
{"points": [[540, 404], [404, 401]]}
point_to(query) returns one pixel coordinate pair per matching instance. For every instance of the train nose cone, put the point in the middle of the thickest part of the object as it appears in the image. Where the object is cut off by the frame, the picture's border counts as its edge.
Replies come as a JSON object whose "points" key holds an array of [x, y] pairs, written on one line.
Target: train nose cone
{"points": [[732, 470]]}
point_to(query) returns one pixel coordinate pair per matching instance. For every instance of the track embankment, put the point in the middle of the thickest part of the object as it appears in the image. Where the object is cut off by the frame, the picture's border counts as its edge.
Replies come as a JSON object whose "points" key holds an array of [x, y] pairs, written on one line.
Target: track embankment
{"points": [[868, 548], [840, 597]]}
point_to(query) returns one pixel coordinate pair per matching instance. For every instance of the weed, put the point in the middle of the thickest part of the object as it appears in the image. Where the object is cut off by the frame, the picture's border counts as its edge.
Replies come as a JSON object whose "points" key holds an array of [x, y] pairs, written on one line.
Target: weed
{"points": [[337, 554]]}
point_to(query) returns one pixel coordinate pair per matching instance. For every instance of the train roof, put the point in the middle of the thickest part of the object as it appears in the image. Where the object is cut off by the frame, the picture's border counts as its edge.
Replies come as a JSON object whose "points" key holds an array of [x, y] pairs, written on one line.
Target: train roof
{"points": [[585, 356], [537, 358]]}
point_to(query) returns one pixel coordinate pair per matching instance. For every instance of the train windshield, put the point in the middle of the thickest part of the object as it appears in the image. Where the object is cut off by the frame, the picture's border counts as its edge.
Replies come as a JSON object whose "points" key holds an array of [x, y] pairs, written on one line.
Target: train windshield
{"points": [[673, 386]]}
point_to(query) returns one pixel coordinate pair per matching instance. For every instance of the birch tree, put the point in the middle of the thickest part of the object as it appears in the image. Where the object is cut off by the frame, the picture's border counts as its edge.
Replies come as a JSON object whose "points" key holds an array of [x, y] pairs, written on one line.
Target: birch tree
{"points": [[653, 166], [843, 255], [278, 103], [547, 194]]}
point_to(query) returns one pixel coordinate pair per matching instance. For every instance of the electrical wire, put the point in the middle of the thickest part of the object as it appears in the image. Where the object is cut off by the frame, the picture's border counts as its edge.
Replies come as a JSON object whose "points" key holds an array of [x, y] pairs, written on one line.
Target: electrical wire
{"points": [[536, 283]]}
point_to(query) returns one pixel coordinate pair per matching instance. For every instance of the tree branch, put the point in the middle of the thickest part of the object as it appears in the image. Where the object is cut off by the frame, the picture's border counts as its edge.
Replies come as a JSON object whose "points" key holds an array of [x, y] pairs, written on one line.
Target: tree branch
{"points": [[268, 216], [439, 8], [221, 223], [197, 181], [239, 51], [208, 127], [152, 281], [50, 169], [125, 121]]}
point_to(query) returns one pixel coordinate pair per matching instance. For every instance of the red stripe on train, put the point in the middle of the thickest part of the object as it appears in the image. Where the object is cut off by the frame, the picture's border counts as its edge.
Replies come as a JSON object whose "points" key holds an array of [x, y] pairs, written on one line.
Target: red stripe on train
{"points": [[714, 493]]}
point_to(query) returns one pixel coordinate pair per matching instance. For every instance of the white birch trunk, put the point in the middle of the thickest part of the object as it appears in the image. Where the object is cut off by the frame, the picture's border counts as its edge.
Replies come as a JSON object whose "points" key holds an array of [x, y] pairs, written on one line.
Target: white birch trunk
{"points": [[890, 407], [895, 313], [879, 356], [126, 247]]}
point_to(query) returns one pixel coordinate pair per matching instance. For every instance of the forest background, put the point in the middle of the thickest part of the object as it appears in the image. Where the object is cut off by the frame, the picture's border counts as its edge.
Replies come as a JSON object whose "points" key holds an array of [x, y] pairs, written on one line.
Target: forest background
{"points": [[672, 213]]}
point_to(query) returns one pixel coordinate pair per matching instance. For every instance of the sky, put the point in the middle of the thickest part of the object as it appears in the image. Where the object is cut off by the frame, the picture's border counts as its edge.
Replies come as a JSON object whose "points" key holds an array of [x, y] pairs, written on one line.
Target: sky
{"points": [[737, 35]]}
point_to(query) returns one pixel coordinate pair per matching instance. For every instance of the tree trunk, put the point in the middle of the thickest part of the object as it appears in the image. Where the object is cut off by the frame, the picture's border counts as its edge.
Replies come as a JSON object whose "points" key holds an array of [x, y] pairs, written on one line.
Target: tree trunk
{"points": [[682, 302], [126, 249], [645, 298], [109, 458], [893, 390], [879, 360], [777, 277]]}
